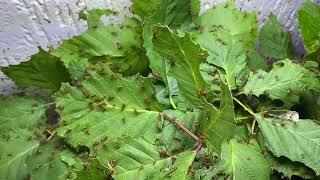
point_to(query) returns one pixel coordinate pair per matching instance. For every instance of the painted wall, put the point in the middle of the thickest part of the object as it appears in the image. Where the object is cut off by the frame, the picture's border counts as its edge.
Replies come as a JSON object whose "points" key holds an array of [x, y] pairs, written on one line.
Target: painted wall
{"points": [[27, 24]]}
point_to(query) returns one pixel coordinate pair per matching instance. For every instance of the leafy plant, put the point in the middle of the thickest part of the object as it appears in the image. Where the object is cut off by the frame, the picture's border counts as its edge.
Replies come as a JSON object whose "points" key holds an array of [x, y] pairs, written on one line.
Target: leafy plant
{"points": [[168, 94]]}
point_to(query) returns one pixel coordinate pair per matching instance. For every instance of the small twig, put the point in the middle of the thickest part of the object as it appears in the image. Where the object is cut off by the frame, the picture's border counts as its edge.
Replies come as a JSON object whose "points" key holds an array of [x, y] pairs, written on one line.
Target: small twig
{"points": [[181, 126], [51, 134], [250, 111]]}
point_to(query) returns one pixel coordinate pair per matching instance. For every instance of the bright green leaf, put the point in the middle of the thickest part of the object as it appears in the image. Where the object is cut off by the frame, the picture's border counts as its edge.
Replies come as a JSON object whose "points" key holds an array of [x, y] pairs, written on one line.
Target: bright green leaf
{"points": [[121, 108], [309, 25], [231, 59], [120, 45], [229, 37], [226, 20], [77, 69]]}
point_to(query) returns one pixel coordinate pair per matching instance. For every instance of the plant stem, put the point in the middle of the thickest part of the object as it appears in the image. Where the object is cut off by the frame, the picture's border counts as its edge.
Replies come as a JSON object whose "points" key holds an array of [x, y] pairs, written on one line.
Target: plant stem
{"points": [[182, 127], [253, 125], [239, 93], [249, 110]]}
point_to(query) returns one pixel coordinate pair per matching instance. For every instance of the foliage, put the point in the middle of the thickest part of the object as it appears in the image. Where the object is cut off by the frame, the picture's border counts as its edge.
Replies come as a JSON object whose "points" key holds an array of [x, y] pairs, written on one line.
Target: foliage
{"points": [[168, 94], [274, 41]]}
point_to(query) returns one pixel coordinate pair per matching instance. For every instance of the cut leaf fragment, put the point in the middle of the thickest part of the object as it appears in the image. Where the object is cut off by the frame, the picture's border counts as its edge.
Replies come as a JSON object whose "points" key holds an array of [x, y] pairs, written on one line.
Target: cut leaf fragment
{"points": [[140, 160], [43, 71], [309, 25], [47, 163], [286, 82], [119, 45], [20, 113], [220, 123], [274, 41], [16, 147], [184, 58], [297, 141], [121, 108], [243, 161]]}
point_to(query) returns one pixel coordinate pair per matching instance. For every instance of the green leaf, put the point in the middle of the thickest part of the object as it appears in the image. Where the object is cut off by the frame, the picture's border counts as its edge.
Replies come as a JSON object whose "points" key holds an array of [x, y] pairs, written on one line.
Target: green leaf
{"points": [[286, 82], [228, 35], [175, 14], [243, 161], [43, 71], [120, 45], [274, 41], [172, 139], [95, 171], [309, 25], [93, 17], [220, 123], [168, 95], [47, 163], [226, 20], [121, 108], [256, 61], [297, 141], [145, 8], [77, 69], [195, 8], [289, 168], [211, 76], [231, 59], [139, 159], [184, 58], [20, 112], [16, 146]]}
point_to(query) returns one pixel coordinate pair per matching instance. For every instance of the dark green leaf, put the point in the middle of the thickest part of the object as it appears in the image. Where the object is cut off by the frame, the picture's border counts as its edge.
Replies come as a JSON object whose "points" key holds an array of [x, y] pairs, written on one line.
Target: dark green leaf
{"points": [[43, 71], [274, 41]]}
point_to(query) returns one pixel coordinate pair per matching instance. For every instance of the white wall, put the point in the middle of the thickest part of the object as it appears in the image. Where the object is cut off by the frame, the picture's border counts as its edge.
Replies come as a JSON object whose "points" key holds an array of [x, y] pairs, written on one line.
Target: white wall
{"points": [[27, 24]]}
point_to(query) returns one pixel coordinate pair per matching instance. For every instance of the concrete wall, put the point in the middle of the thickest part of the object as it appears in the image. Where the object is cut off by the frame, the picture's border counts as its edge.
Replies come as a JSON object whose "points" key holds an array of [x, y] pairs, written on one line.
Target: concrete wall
{"points": [[27, 24]]}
